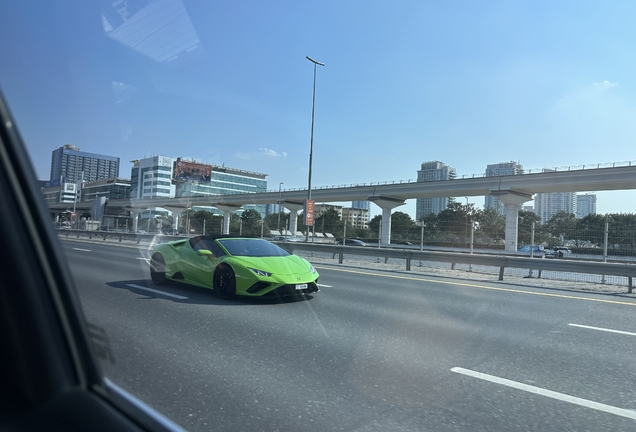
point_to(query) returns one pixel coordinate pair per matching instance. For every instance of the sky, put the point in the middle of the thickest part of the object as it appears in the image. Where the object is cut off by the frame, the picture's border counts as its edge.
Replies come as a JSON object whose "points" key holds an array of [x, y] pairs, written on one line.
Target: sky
{"points": [[543, 83]]}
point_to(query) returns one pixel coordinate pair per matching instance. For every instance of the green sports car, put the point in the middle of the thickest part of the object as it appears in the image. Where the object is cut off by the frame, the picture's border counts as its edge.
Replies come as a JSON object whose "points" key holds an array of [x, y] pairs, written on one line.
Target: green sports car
{"points": [[233, 266]]}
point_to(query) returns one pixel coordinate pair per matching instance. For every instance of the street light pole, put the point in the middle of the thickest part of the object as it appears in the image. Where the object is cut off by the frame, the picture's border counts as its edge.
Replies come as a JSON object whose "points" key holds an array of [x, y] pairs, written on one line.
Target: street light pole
{"points": [[311, 145], [280, 198]]}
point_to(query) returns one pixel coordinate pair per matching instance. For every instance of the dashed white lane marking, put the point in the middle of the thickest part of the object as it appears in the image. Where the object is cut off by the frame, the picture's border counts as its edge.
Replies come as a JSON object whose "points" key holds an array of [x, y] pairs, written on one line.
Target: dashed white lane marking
{"points": [[83, 250], [324, 286], [157, 291], [548, 393], [144, 259], [603, 329]]}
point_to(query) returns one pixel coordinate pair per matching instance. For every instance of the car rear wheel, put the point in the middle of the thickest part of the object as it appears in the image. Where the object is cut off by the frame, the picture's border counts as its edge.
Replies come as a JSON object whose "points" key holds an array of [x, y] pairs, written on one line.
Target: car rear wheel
{"points": [[225, 283], [158, 270]]}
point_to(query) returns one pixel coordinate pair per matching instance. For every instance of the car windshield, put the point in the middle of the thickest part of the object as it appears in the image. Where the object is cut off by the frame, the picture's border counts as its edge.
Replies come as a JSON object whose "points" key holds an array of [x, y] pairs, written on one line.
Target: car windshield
{"points": [[252, 248]]}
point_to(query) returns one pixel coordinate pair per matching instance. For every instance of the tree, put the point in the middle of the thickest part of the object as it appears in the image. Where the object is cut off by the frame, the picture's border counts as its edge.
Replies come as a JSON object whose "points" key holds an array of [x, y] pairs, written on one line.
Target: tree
{"points": [[329, 222], [622, 231], [271, 220], [456, 219], [491, 226], [374, 224], [591, 229], [560, 226], [252, 222], [524, 227], [401, 225]]}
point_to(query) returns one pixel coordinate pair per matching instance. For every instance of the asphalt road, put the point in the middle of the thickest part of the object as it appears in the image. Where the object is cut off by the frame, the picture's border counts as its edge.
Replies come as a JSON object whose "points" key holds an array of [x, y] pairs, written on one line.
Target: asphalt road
{"points": [[373, 351]]}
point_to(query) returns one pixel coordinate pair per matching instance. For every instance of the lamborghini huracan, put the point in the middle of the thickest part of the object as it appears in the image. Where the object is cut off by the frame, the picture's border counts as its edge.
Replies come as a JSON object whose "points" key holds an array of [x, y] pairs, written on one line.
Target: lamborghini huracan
{"points": [[233, 266]]}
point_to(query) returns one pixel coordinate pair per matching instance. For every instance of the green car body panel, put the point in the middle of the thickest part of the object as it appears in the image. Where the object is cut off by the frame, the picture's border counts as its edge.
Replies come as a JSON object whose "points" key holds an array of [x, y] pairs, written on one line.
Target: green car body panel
{"points": [[197, 260]]}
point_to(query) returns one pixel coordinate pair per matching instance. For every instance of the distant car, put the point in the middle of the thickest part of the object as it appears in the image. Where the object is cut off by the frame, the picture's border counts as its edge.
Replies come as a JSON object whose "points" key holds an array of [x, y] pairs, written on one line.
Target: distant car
{"points": [[557, 252], [288, 239], [407, 243], [353, 242], [141, 231], [538, 251], [233, 266]]}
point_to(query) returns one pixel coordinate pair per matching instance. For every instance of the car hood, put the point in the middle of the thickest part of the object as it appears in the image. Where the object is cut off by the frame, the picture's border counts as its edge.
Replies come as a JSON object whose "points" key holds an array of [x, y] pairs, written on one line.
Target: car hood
{"points": [[285, 265]]}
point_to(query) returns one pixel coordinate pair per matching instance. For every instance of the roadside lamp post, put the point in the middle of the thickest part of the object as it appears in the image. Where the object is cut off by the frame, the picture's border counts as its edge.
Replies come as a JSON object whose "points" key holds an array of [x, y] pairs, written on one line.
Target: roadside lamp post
{"points": [[311, 145], [280, 207], [466, 228]]}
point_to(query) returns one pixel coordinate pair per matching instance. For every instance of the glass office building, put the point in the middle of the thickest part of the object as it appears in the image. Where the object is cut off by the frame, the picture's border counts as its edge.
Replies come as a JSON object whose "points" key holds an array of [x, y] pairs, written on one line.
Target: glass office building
{"points": [[70, 165]]}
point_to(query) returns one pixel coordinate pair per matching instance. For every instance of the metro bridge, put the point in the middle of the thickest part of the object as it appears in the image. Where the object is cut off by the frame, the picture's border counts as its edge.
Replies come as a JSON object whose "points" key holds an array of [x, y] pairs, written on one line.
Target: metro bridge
{"points": [[512, 191]]}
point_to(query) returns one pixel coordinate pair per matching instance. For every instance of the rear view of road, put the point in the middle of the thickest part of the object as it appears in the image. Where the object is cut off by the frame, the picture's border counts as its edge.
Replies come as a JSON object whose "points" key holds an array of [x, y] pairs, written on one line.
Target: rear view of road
{"points": [[374, 351]]}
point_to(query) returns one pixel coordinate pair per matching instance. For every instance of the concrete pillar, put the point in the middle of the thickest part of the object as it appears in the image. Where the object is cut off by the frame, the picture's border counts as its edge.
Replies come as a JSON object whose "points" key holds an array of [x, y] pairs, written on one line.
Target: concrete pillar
{"points": [[227, 217], [512, 227], [227, 210], [386, 204], [512, 200], [135, 221], [293, 221], [175, 216], [293, 207]]}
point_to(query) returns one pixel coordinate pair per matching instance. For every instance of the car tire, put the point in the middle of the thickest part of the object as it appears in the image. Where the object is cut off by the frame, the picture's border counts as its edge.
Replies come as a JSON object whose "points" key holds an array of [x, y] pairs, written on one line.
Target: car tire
{"points": [[225, 283], [158, 270]]}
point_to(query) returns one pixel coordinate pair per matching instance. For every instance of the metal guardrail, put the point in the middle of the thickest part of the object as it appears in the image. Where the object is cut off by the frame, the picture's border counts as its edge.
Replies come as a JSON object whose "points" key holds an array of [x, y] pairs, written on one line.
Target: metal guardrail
{"points": [[626, 269], [104, 235]]}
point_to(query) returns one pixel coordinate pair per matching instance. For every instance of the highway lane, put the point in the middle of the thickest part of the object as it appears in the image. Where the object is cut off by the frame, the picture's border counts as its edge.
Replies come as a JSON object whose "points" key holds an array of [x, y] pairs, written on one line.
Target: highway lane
{"points": [[370, 352]]}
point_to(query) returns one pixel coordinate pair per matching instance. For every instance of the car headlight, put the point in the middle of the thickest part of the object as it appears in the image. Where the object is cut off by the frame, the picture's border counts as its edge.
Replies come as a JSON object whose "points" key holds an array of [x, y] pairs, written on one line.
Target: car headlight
{"points": [[260, 272], [312, 269]]}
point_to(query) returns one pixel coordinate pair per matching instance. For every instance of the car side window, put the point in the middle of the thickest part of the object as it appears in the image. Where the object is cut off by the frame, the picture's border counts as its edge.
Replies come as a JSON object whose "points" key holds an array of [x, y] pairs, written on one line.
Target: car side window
{"points": [[216, 250]]}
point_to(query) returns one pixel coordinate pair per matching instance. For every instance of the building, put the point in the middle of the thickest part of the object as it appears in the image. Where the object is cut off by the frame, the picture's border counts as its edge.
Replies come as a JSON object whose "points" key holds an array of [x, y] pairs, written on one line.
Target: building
{"points": [[585, 205], [498, 170], [273, 209], [361, 204], [547, 205], [319, 209], [70, 165], [358, 217], [152, 177], [433, 171], [162, 176], [113, 188]]}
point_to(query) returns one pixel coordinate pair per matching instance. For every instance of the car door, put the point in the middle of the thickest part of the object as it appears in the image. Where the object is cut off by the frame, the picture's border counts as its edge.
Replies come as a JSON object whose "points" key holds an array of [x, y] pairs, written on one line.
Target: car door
{"points": [[196, 268]]}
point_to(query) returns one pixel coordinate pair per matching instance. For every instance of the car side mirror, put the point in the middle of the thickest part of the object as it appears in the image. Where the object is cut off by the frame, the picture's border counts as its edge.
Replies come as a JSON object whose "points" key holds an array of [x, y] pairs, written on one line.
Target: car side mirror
{"points": [[205, 252]]}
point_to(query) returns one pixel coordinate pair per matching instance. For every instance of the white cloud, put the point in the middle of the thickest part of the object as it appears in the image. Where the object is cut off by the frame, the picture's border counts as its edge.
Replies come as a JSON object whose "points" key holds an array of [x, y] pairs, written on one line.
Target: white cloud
{"points": [[272, 153], [262, 151], [605, 85]]}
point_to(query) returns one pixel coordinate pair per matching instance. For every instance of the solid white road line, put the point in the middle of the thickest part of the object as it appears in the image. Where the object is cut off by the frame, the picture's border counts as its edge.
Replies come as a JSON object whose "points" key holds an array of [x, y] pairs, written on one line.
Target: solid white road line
{"points": [[324, 286], [548, 393], [157, 291], [603, 329], [83, 250]]}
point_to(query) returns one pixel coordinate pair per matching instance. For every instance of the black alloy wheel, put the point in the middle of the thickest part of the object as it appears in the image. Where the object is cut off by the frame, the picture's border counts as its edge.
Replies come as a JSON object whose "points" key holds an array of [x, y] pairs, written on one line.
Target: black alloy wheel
{"points": [[225, 283], [158, 270]]}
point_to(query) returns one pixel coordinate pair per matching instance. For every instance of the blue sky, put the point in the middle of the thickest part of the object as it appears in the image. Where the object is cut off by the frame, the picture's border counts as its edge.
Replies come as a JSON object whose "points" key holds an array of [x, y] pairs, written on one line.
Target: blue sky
{"points": [[547, 84]]}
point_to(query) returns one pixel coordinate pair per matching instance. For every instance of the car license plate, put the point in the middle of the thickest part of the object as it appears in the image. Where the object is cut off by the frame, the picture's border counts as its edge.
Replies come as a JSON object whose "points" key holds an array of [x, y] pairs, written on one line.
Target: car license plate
{"points": [[301, 286]]}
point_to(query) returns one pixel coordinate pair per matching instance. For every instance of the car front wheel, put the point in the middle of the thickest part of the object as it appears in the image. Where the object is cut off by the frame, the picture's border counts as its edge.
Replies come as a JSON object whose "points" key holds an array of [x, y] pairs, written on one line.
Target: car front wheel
{"points": [[225, 283]]}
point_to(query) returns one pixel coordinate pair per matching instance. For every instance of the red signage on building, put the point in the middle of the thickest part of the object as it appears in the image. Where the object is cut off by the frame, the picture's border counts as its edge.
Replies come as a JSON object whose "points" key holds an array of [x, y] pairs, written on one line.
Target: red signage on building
{"points": [[309, 212]]}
